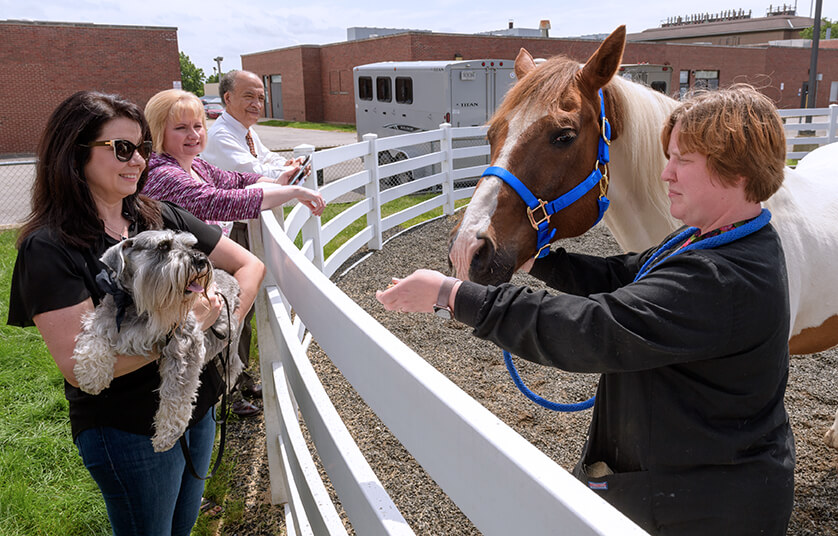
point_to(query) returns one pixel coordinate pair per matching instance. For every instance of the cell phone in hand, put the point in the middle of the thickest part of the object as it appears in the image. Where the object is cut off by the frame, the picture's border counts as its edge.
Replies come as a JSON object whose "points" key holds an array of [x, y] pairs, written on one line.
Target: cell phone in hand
{"points": [[301, 172]]}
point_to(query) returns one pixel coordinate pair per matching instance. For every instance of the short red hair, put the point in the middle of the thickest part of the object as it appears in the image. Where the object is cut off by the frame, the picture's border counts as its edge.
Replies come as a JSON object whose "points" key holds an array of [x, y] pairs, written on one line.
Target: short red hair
{"points": [[739, 131]]}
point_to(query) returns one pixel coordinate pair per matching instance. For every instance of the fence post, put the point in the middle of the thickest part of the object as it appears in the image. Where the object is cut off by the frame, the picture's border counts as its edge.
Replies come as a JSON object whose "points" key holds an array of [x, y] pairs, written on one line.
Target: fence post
{"points": [[833, 119], [373, 192], [312, 228], [446, 147]]}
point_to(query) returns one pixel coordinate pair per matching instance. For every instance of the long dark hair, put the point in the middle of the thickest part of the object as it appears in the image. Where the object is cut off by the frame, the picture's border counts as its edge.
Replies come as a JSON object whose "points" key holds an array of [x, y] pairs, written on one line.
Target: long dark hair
{"points": [[61, 199]]}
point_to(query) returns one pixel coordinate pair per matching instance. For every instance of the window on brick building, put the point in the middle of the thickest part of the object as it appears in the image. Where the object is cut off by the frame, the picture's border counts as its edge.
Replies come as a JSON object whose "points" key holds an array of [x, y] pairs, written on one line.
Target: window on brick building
{"points": [[365, 88], [404, 90], [334, 82], [683, 83], [706, 79], [345, 82], [338, 84], [383, 88]]}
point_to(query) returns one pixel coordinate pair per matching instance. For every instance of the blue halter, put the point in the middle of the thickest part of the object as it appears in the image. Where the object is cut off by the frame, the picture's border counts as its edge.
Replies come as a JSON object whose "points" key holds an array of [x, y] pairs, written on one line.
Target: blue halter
{"points": [[541, 222]]}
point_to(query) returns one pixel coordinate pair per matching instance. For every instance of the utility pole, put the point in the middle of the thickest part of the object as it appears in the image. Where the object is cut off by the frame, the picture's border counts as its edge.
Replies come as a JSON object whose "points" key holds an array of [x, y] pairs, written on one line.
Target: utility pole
{"points": [[219, 59], [811, 95]]}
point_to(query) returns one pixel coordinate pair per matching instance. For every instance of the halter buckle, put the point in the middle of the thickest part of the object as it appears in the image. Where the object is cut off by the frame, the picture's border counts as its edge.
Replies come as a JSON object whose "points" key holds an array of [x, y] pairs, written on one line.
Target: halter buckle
{"points": [[543, 206], [603, 183], [605, 130]]}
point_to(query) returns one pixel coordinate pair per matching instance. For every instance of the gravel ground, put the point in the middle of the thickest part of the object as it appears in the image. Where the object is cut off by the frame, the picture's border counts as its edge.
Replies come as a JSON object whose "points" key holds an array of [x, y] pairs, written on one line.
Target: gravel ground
{"points": [[477, 367]]}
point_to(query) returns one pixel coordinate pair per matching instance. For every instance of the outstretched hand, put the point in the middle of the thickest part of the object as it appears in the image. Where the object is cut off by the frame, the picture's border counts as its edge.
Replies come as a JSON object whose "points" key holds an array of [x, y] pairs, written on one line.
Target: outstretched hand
{"points": [[312, 199], [416, 293]]}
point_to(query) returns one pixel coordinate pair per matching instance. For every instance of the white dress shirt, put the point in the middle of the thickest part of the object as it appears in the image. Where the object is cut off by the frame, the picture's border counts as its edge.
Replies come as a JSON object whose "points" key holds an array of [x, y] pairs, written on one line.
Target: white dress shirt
{"points": [[227, 149]]}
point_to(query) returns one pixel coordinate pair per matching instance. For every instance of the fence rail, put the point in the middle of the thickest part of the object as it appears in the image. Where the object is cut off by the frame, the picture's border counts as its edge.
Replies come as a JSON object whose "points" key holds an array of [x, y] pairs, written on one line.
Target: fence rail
{"points": [[427, 413], [808, 128]]}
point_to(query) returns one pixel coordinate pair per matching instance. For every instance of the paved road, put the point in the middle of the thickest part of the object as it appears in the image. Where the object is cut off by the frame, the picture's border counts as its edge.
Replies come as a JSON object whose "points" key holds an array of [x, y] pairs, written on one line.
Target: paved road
{"points": [[285, 138]]}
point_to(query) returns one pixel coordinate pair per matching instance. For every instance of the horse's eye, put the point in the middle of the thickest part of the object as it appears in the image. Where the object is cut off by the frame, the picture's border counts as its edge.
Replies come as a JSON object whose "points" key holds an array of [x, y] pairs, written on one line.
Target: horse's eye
{"points": [[563, 137]]}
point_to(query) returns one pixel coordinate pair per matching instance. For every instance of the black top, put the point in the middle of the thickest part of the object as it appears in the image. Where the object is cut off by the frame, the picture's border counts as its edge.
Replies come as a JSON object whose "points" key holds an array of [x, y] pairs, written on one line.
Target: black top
{"points": [[48, 275], [694, 361]]}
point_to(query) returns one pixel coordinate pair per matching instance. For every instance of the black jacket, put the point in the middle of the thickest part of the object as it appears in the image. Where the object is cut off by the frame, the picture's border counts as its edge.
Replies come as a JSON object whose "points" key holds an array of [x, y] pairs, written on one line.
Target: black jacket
{"points": [[694, 360]]}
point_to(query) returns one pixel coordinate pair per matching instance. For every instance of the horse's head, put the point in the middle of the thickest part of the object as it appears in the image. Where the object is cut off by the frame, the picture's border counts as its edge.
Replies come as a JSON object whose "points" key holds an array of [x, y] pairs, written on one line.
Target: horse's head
{"points": [[546, 133]]}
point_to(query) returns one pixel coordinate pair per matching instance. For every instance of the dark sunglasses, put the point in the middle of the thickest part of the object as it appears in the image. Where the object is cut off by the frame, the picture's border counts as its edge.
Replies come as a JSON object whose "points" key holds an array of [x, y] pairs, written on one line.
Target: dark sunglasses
{"points": [[123, 150]]}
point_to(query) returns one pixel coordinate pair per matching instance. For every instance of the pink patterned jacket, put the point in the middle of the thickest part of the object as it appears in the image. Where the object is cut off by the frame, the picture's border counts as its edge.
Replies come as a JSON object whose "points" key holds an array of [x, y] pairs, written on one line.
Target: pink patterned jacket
{"points": [[220, 197]]}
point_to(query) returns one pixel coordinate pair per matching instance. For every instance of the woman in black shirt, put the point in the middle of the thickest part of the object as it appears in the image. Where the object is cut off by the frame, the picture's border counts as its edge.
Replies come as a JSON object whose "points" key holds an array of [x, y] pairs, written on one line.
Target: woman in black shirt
{"points": [[92, 164]]}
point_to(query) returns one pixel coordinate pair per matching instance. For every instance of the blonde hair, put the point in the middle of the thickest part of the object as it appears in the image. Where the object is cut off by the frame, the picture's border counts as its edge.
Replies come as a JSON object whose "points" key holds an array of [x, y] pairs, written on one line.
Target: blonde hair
{"points": [[171, 104], [739, 131]]}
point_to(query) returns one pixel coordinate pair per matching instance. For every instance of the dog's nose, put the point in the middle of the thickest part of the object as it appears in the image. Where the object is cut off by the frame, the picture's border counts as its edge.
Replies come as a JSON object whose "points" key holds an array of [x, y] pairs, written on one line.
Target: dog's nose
{"points": [[199, 260]]}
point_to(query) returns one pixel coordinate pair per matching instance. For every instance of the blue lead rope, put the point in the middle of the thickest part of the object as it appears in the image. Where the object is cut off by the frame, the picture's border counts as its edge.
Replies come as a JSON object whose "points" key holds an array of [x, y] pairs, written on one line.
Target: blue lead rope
{"points": [[555, 406], [708, 243]]}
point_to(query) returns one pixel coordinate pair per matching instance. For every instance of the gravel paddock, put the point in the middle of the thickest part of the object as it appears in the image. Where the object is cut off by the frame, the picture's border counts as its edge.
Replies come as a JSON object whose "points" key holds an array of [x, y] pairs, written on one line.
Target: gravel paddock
{"points": [[477, 367]]}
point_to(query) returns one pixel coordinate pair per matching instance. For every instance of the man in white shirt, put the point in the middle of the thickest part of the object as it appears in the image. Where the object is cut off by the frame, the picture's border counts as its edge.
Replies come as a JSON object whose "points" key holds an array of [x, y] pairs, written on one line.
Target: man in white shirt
{"points": [[231, 142], [233, 145]]}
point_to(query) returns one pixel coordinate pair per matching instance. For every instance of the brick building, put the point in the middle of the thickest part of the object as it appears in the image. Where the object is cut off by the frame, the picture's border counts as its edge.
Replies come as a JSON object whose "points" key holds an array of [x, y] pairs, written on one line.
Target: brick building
{"points": [[314, 83], [45, 62]]}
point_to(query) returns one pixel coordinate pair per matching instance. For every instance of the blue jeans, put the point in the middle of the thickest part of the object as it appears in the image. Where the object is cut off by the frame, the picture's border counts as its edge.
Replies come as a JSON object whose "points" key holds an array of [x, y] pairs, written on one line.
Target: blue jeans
{"points": [[148, 493]]}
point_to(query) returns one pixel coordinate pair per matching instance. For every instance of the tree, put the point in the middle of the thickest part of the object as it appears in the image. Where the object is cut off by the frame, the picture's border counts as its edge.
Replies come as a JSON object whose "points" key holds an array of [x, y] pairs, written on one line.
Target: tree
{"points": [[191, 77], [212, 79], [825, 23]]}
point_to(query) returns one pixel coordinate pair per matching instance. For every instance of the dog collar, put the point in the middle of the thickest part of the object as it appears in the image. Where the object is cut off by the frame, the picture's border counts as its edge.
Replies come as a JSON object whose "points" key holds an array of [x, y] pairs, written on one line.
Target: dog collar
{"points": [[121, 299]]}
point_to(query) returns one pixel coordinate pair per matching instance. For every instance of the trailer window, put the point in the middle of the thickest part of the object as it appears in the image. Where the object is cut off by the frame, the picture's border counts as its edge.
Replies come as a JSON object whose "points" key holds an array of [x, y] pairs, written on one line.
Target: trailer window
{"points": [[383, 88], [659, 85], [404, 90], [365, 88]]}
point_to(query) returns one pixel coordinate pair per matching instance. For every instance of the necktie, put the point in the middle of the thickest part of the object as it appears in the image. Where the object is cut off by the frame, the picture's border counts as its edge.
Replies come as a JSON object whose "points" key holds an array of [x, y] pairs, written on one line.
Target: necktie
{"points": [[250, 145]]}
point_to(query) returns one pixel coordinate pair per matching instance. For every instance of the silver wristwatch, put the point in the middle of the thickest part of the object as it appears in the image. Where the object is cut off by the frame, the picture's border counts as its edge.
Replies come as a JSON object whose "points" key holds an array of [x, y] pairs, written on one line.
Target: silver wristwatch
{"points": [[441, 308]]}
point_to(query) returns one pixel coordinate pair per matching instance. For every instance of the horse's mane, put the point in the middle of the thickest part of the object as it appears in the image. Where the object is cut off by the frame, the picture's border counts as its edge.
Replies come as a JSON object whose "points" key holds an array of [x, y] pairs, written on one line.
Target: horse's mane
{"points": [[644, 112], [544, 85]]}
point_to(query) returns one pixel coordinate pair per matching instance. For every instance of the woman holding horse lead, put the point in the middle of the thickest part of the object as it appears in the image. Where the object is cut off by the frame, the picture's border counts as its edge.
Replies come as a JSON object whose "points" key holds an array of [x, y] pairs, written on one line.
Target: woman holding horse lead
{"points": [[689, 433]]}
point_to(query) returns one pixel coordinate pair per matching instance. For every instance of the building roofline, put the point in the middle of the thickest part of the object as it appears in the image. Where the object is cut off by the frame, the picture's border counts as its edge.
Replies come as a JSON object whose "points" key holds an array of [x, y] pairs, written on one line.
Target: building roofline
{"points": [[27, 22], [422, 33]]}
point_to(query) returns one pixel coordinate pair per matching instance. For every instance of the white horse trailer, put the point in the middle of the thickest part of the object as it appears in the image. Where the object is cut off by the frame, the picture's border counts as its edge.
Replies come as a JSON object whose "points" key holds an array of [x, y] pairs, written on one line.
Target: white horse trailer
{"points": [[394, 98]]}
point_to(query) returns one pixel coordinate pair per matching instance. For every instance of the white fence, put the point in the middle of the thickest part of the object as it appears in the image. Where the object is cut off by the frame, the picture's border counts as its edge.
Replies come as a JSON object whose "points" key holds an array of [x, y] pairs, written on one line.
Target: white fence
{"points": [[808, 128], [427, 413]]}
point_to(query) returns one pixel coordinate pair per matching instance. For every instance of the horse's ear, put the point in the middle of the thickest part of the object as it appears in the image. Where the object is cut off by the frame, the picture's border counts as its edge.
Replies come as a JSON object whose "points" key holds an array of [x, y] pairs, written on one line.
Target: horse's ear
{"points": [[523, 63], [603, 64]]}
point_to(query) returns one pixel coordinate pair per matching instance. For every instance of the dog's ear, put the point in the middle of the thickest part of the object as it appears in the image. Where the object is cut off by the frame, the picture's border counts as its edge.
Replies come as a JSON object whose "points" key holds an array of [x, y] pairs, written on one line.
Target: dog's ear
{"points": [[114, 257]]}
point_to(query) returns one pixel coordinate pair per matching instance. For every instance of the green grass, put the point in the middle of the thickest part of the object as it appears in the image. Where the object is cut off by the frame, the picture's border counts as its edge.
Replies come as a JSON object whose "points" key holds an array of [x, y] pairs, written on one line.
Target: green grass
{"points": [[307, 125], [387, 209], [44, 487]]}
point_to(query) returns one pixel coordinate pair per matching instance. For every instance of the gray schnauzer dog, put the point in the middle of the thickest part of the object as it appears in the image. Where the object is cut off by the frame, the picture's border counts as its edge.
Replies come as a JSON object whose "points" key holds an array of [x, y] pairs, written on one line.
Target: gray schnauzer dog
{"points": [[155, 279]]}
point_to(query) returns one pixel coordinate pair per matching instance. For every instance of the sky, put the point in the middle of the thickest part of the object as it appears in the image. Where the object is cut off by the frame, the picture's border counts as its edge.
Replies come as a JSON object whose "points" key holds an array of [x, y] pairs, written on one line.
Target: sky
{"points": [[229, 29]]}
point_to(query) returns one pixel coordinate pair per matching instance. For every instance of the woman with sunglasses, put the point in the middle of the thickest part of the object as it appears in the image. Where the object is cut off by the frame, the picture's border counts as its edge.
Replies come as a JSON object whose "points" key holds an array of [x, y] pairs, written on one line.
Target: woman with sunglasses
{"points": [[92, 163]]}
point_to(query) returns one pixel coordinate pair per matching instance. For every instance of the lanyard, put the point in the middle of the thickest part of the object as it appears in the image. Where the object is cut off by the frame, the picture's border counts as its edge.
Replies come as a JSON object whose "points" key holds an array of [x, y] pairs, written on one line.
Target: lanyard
{"points": [[708, 243]]}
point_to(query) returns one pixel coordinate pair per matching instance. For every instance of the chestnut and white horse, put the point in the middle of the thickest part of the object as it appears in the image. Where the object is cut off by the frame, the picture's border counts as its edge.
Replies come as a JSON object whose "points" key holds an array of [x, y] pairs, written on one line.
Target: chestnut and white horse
{"points": [[546, 133]]}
